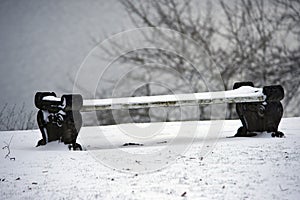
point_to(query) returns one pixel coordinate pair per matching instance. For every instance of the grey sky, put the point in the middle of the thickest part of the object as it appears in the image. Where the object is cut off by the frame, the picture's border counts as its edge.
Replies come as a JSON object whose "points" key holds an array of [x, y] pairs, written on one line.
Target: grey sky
{"points": [[43, 42]]}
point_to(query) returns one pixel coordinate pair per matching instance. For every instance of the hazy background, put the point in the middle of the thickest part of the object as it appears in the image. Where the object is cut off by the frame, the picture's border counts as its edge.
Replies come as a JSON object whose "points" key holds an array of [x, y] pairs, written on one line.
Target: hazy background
{"points": [[43, 43]]}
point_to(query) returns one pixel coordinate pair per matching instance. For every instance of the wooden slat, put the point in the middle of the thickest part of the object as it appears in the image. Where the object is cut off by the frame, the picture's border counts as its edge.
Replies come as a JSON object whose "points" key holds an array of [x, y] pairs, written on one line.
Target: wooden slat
{"points": [[242, 94]]}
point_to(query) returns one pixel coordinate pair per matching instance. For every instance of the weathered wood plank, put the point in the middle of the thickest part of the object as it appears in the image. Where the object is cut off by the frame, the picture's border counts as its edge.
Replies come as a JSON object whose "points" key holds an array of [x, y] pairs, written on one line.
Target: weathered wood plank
{"points": [[242, 94]]}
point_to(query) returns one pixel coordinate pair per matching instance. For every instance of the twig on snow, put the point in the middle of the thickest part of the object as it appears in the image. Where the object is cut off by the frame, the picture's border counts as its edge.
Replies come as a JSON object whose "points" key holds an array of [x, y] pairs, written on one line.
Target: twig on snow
{"points": [[282, 188], [7, 146]]}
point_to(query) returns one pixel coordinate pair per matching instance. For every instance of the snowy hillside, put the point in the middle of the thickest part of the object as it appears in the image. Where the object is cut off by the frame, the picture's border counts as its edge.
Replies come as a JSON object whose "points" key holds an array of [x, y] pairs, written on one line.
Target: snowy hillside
{"points": [[212, 167]]}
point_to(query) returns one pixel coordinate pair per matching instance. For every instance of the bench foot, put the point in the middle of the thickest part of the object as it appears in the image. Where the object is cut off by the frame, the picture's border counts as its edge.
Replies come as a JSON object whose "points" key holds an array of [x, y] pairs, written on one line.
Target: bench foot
{"points": [[278, 134], [75, 147], [242, 132]]}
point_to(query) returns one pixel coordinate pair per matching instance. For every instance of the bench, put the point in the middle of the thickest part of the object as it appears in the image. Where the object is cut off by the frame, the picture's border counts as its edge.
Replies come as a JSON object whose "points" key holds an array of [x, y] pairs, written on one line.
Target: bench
{"points": [[259, 109]]}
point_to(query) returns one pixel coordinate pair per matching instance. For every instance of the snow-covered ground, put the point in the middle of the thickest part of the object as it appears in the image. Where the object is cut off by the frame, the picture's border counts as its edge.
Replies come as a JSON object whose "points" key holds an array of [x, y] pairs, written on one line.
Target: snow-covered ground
{"points": [[212, 167]]}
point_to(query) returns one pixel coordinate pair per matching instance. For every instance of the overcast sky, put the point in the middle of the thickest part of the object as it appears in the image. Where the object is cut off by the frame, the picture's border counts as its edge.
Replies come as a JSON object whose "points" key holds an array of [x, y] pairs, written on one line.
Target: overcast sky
{"points": [[44, 42]]}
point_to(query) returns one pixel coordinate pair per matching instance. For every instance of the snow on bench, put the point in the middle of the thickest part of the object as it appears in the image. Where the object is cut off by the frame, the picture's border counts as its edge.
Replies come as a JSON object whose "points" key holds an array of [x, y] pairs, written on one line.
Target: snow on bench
{"points": [[242, 94]]}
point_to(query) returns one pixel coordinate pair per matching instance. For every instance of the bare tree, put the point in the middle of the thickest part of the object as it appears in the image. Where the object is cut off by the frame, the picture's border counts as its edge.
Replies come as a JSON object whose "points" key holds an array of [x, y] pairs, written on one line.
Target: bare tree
{"points": [[175, 69], [289, 56], [261, 44], [252, 40], [248, 40]]}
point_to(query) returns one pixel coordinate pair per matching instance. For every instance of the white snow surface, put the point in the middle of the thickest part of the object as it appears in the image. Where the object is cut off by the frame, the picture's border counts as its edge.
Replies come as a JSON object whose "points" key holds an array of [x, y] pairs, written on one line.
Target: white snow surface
{"points": [[260, 167], [51, 98]]}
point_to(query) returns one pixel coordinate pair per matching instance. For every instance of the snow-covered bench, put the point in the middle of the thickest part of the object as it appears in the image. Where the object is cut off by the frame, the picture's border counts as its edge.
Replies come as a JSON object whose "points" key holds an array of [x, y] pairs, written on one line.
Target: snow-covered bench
{"points": [[259, 109]]}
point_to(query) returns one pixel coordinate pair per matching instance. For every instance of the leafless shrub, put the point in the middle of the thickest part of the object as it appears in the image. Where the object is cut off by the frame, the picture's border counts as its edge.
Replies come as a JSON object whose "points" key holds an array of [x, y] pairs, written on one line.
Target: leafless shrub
{"points": [[16, 118]]}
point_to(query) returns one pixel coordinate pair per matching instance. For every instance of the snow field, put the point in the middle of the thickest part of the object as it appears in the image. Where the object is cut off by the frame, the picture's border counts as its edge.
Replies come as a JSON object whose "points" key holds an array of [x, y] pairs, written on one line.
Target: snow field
{"points": [[234, 168]]}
